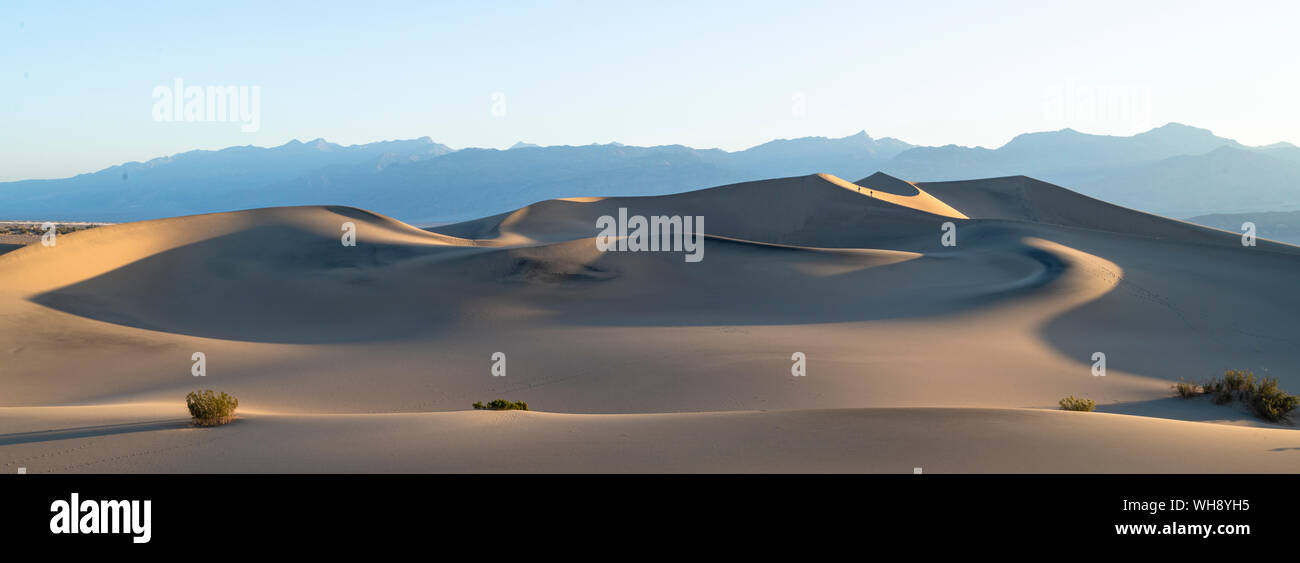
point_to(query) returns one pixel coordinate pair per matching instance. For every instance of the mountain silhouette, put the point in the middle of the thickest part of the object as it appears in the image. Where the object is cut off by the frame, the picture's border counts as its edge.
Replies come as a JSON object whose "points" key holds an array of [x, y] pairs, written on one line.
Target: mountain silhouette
{"points": [[1174, 170]]}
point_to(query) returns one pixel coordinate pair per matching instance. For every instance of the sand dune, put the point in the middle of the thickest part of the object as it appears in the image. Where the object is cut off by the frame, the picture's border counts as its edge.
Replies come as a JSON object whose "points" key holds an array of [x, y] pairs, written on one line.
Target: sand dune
{"points": [[918, 354], [138, 438]]}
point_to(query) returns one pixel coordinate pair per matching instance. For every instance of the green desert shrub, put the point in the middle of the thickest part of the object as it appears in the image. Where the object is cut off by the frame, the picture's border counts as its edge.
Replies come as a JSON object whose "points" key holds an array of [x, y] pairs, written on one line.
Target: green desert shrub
{"points": [[1237, 381], [502, 405], [1187, 389], [1073, 403], [1235, 384], [1262, 395], [211, 409], [1271, 403]]}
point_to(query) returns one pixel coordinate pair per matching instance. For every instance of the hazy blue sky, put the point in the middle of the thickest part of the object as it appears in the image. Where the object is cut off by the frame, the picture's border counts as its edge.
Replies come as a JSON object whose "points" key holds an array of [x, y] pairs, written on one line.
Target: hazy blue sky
{"points": [[78, 78]]}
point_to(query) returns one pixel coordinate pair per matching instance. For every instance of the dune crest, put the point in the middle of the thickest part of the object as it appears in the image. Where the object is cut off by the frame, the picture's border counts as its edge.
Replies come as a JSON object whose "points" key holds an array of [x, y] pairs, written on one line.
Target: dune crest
{"points": [[921, 201]]}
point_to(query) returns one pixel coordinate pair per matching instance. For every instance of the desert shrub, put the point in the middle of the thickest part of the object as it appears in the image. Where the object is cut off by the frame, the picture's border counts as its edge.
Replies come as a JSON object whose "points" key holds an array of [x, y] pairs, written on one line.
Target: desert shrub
{"points": [[1262, 395], [1234, 385], [210, 409], [1072, 403], [1238, 381], [1271, 403], [1187, 389], [502, 405]]}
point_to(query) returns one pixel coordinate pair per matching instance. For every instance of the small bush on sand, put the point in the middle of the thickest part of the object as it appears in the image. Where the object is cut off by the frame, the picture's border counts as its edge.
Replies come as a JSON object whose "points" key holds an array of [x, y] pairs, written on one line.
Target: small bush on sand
{"points": [[1072, 403], [1187, 389], [1262, 395], [1234, 384], [502, 405], [210, 409], [1273, 404]]}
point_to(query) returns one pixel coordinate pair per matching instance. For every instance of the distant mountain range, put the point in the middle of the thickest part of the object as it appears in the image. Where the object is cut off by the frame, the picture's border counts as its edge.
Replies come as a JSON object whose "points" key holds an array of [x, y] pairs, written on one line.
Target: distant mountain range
{"points": [[1281, 226], [1175, 170]]}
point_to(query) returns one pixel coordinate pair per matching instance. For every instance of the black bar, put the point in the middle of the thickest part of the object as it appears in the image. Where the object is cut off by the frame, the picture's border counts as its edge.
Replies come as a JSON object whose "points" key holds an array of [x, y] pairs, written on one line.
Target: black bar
{"points": [[529, 512]]}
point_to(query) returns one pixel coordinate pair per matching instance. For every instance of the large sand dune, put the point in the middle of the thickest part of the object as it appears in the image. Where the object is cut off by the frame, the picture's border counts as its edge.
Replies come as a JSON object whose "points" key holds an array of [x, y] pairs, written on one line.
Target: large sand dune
{"points": [[918, 354]]}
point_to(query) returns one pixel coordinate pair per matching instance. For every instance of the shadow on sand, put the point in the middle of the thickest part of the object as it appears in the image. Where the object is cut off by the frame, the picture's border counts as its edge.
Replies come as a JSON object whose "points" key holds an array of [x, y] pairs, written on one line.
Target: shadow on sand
{"points": [[91, 431], [1193, 410]]}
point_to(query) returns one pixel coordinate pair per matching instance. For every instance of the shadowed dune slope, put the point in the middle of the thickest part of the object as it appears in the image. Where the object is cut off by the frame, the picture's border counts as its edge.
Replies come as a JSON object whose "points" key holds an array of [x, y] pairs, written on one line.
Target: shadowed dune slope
{"points": [[1021, 198]]}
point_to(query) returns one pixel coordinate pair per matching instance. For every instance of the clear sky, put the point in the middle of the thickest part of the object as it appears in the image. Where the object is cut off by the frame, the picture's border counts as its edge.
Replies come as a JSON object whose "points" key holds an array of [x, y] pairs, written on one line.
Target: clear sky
{"points": [[78, 78]]}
